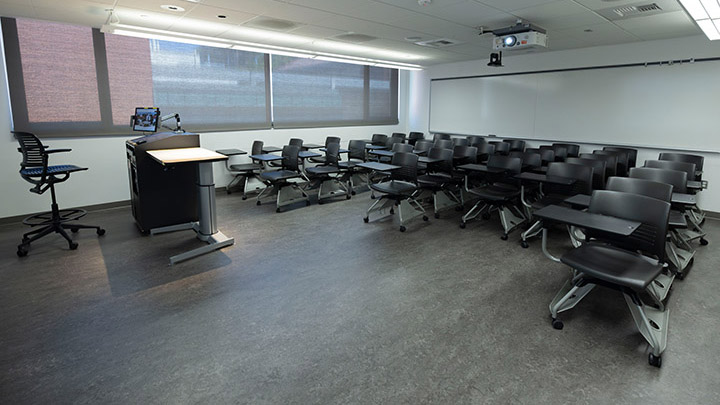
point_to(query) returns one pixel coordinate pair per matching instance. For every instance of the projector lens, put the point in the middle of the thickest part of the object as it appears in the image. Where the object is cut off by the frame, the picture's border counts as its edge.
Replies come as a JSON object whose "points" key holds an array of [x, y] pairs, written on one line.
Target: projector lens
{"points": [[510, 40]]}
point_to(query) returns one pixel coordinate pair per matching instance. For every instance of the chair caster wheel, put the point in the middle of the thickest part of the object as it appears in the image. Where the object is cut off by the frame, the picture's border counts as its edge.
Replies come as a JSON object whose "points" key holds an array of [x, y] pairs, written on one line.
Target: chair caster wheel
{"points": [[22, 251], [73, 245], [319, 203], [100, 232], [462, 225], [425, 218], [258, 203], [366, 220], [402, 228], [655, 361], [486, 216], [347, 197], [307, 203], [372, 196], [25, 239], [704, 241], [392, 211], [277, 209], [458, 209], [74, 230], [353, 192], [229, 192], [557, 324], [504, 237], [524, 244], [437, 216], [244, 197]]}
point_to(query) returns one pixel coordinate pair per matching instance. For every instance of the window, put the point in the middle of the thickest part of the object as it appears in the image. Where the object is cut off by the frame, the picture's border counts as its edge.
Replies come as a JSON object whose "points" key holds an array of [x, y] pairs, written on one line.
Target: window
{"points": [[311, 93], [66, 80]]}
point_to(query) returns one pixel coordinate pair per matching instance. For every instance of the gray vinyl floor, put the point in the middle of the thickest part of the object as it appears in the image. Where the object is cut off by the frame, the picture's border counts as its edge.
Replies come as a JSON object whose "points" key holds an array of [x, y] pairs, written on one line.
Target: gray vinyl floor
{"points": [[314, 306]]}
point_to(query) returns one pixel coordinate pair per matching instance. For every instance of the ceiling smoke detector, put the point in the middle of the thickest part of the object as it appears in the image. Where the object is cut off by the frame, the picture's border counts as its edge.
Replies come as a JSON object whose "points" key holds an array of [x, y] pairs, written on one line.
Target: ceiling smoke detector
{"points": [[424, 2]]}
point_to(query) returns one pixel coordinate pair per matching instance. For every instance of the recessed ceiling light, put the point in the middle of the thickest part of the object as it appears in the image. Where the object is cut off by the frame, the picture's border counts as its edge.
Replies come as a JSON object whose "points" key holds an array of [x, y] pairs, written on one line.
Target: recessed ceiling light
{"points": [[171, 7], [588, 30], [222, 16]]}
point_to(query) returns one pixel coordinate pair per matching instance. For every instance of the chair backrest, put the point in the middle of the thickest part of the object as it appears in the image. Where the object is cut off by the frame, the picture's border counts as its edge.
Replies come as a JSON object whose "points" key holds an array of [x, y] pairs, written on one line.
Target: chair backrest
{"points": [[654, 189], [631, 154], [475, 140], [675, 178], [444, 166], [399, 135], [332, 139], [573, 150], [423, 145], [379, 139], [501, 148], [391, 141], [653, 215], [415, 136], [460, 141], [257, 147], [332, 154], [688, 168], [610, 162], [561, 152], [547, 155], [531, 159], [582, 174], [296, 142], [684, 157], [32, 150], [598, 170], [484, 150], [440, 136], [463, 154], [622, 160], [515, 144], [443, 143], [290, 157], [357, 149], [511, 165], [402, 147], [408, 167]]}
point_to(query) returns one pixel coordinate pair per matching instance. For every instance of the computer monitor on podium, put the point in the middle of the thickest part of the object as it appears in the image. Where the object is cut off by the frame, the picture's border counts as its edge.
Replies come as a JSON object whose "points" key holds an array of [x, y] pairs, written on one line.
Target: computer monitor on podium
{"points": [[146, 119]]}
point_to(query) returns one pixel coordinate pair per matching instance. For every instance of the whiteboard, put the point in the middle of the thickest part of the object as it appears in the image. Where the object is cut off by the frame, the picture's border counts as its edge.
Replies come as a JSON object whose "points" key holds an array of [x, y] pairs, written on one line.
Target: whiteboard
{"points": [[674, 107]]}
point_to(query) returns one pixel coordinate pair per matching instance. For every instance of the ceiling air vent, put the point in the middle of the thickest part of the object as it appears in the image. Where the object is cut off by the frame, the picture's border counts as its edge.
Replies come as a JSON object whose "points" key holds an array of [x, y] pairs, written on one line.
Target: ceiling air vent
{"points": [[354, 38], [636, 10], [438, 43], [272, 24]]}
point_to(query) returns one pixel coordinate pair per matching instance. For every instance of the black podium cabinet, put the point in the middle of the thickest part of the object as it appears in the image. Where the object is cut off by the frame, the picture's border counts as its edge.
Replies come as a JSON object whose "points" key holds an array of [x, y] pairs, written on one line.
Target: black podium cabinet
{"points": [[161, 195]]}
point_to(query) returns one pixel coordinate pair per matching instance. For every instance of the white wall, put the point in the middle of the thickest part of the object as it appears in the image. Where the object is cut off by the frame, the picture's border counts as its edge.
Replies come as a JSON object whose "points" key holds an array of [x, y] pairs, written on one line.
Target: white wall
{"points": [[651, 51], [107, 179]]}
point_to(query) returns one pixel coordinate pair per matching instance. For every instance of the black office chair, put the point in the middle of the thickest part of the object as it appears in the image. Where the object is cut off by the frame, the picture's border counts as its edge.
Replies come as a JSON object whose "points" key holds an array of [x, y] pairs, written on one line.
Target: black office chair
{"points": [[328, 141], [501, 193], [398, 191], [475, 140], [555, 194], [440, 182], [460, 141], [631, 154], [392, 141], [441, 136], [621, 168], [688, 168], [245, 171], [379, 139], [547, 155], [415, 136], [484, 151], [464, 154], [326, 177], [598, 167], [444, 144], [501, 148], [400, 135], [610, 162], [516, 144], [421, 147], [698, 160], [36, 169], [572, 150], [628, 264], [278, 181], [350, 168]]}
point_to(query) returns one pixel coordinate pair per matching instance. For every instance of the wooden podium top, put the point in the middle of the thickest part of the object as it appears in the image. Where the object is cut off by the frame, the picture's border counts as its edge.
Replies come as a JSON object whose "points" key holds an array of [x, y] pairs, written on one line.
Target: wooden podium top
{"points": [[185, 155]]}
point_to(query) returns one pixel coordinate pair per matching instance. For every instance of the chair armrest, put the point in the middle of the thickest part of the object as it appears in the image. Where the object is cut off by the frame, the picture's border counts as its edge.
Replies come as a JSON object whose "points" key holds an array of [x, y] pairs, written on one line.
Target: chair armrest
{"points": [[49, 151]]}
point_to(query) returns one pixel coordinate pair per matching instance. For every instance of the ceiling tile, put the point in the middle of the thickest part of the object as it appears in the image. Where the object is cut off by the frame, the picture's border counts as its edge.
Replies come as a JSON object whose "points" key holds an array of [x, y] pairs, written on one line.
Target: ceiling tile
{"points": [[510, 5], [203, 12], [19, 9], [470, 13], [315, 31], [550, 10], [602, 34], [659, 26], [145, 18], [582, 19]]}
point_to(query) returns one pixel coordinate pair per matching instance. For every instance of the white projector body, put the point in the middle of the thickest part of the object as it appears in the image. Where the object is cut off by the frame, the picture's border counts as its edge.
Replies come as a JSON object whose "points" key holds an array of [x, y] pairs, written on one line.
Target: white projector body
{"points": [[523, 40]]}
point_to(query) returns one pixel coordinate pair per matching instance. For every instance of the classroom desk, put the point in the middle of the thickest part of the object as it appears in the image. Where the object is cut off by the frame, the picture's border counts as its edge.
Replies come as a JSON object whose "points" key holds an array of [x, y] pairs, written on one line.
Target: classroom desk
{"points": [[206, 227], [474, 167], [696, 185], [271, 149], [428, 160], [231, 152], [341, 150], [374, 147], [308, 146], [583, 219], [382, 152], [266, 157], [581, 201], [378, 167], [543, 178]]}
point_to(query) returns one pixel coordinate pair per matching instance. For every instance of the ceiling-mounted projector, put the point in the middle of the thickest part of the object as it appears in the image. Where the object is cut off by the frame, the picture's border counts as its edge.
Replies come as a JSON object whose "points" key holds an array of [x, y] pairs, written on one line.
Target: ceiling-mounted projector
{"points": [[519, 36], [530, 39]]}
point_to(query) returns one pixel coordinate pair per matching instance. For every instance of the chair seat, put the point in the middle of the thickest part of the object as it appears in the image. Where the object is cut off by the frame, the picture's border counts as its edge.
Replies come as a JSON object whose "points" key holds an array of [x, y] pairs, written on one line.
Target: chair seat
{"points": [[494, 192], [394, 187], [435, 179], [245, 167], [59, 169], [279, 175], [320, 170], [614, 265], [550, 199]]}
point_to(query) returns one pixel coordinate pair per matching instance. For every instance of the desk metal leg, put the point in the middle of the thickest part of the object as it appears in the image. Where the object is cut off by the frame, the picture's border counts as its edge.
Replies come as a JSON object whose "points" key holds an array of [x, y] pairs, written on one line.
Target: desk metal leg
{"points": [[206, 227]]}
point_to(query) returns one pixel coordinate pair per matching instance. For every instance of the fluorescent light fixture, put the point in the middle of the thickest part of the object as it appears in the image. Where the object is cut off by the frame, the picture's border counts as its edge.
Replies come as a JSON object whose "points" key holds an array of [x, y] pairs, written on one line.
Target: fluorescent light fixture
{"points": [[164, 35], [706, 14]]}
